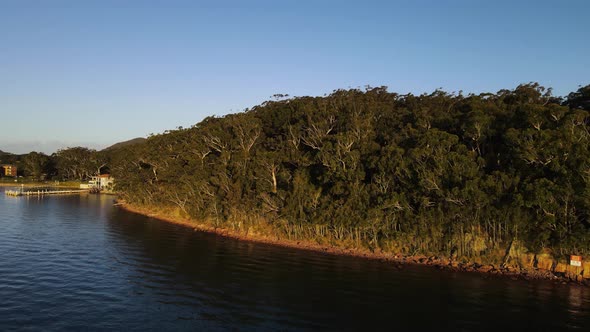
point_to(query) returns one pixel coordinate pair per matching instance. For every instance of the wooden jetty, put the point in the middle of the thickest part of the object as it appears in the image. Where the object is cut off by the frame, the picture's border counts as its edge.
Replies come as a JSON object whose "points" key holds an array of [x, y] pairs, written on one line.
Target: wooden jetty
{"points": [[43, 192]]}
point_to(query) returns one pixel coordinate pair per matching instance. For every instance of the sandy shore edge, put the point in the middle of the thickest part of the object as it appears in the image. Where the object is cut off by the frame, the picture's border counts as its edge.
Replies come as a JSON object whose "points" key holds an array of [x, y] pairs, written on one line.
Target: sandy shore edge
{"points": [[398, 259], [39, 184]]}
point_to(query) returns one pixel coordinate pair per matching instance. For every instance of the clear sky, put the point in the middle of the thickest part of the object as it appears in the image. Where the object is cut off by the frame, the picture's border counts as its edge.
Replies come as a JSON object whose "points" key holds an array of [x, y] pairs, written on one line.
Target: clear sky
{"points": [[93, 73]]}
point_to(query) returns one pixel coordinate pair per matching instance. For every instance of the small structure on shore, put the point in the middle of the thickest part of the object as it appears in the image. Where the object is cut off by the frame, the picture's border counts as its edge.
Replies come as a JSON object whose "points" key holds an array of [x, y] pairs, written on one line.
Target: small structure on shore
{"points": [[99, 182], [8, 170], [575, 260]]}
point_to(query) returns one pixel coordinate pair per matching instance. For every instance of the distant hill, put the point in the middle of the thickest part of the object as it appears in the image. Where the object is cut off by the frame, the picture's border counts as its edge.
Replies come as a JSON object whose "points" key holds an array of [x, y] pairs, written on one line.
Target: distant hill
{"points": [[119, 145], [8, 158]]}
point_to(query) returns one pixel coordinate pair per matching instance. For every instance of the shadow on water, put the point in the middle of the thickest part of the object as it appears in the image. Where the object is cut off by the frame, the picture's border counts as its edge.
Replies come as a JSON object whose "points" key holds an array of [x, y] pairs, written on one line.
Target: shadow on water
{"points": [[265, 286], [78, 262]]}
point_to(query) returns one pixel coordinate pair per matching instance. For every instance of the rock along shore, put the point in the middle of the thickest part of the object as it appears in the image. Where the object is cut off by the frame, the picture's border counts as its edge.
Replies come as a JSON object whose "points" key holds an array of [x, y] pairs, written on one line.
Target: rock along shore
{"points": [[556, 272]]}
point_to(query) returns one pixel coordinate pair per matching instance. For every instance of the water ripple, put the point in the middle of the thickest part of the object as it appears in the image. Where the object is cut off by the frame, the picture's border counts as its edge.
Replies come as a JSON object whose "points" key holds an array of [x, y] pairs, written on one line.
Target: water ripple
{"points": [[78, 263]]}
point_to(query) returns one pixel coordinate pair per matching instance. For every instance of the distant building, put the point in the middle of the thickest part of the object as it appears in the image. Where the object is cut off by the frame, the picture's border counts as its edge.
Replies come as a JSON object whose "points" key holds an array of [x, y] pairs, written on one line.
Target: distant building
{"points": [[8, 170], [101, 182]]}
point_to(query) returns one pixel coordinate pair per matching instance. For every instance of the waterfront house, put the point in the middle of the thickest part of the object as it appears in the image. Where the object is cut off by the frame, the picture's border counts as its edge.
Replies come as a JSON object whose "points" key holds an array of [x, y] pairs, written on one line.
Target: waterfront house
{"points": [[101, 182], [8, 170]]}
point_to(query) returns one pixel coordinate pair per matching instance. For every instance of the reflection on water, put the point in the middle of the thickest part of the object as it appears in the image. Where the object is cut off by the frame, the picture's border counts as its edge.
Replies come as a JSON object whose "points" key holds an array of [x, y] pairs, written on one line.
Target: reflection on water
{"points": [[78, 262]]}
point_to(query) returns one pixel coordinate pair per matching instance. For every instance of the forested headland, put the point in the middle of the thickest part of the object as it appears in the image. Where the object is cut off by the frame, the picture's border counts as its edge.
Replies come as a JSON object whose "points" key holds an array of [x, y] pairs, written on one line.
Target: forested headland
{"points": [[442, 173]]}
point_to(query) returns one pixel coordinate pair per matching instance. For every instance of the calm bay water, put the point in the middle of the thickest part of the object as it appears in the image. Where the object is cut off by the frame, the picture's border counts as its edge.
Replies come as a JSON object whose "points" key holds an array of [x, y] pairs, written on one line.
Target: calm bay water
{"points": [[79, 263]]}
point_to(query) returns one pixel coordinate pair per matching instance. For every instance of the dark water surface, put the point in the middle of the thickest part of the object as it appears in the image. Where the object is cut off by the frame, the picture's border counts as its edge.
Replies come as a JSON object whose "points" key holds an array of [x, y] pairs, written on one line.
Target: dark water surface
{"points": [[79, 263]]}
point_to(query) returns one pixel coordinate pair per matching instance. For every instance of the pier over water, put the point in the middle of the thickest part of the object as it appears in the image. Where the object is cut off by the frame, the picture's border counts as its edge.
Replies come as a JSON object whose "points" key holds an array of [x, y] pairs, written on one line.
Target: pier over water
{"points": [[42, 191]]}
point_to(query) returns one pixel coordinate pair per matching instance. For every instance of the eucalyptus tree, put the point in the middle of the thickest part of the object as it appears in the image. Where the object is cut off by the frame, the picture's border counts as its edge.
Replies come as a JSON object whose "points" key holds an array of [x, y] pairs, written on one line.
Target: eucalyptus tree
{"points": [[434, 173]]}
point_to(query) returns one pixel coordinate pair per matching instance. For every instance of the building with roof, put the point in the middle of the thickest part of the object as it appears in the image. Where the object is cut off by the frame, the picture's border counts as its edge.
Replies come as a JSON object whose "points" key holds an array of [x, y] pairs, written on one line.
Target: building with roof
{"points": [[8, 170], [100, 182]]}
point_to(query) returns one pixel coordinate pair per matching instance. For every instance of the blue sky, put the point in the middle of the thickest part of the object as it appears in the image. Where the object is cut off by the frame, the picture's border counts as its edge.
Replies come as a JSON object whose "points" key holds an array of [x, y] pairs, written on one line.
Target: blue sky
{"points": [[93, 73]]}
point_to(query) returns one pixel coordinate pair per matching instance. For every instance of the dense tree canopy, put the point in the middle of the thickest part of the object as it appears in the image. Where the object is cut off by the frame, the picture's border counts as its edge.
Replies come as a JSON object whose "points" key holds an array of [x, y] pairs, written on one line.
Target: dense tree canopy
{"points": [[37, 165], [436, 172], [79, 163]]}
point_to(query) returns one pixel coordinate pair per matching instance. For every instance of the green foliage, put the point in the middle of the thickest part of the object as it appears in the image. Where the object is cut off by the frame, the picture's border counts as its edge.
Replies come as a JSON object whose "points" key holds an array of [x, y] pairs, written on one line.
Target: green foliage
{"points": [[436, 173], [37, 165], [79, 163]]}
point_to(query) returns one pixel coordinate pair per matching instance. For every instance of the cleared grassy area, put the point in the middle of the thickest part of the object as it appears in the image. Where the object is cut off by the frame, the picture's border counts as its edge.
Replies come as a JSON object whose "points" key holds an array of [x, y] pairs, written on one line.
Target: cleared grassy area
{"points": [[34, 183]]}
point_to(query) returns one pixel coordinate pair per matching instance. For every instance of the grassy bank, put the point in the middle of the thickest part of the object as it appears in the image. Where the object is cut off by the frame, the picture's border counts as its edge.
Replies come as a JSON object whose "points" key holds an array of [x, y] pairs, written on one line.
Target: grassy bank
{"points": [[7, 182], [522, 265]]}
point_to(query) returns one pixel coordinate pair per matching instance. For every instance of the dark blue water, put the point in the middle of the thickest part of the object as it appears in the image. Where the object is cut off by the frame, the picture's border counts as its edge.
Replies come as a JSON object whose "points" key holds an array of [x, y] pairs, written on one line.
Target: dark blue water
{"points": [[79, 263]]}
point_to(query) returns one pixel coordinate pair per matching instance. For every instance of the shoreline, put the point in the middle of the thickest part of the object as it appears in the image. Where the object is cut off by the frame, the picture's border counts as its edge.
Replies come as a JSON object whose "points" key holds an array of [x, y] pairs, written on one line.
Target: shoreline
{"points": [[36, 184], [441, 263]]}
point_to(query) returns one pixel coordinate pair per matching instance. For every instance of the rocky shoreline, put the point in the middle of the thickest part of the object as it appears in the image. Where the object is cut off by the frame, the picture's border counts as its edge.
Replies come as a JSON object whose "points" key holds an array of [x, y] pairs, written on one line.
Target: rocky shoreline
{"points": [[490, 270], [557, 272]]}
